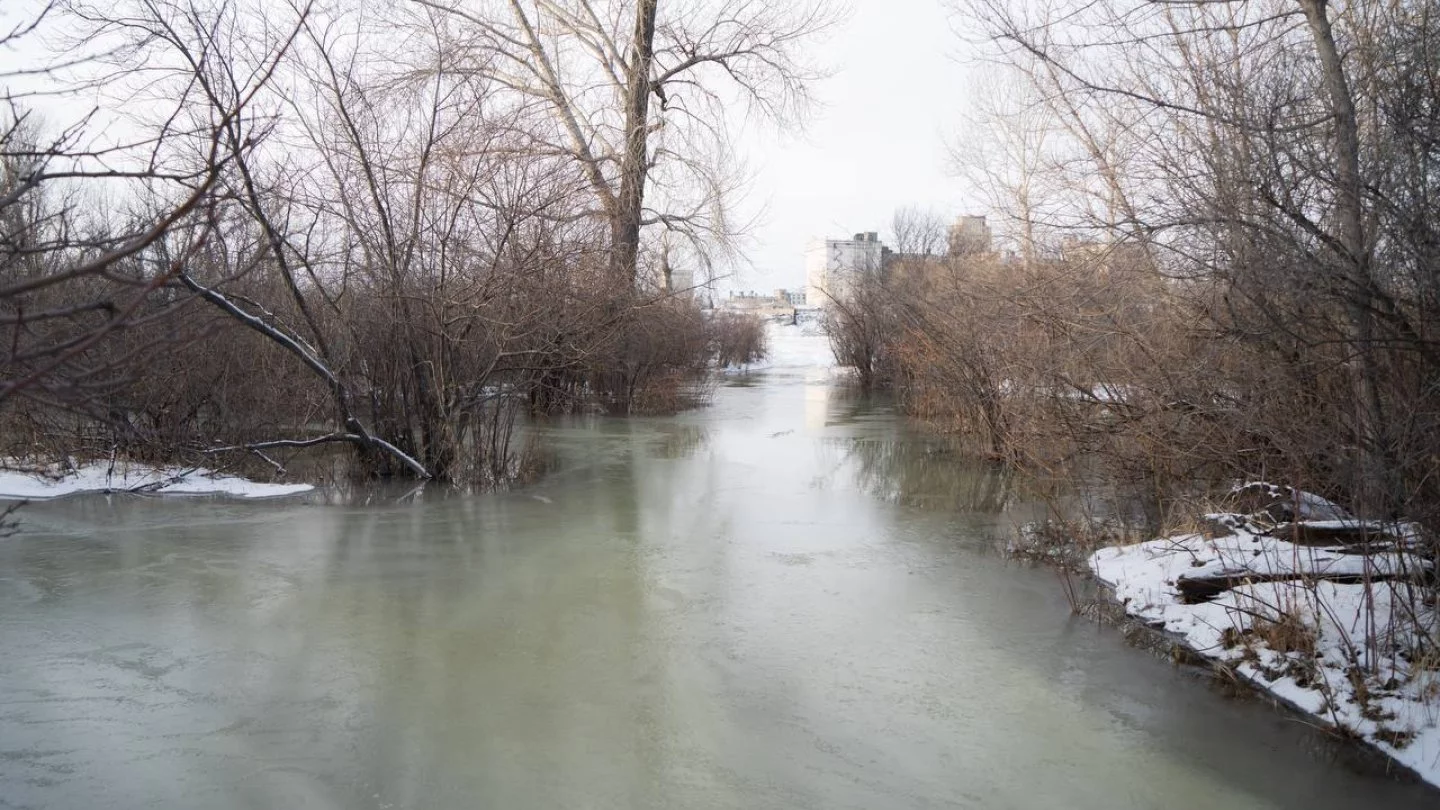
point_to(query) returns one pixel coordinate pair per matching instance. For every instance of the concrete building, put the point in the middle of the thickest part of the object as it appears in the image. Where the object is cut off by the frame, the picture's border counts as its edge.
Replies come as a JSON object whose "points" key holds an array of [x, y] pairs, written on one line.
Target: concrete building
{"points": [[970, 235], [675, 280], [832, 265], [780, 306]]}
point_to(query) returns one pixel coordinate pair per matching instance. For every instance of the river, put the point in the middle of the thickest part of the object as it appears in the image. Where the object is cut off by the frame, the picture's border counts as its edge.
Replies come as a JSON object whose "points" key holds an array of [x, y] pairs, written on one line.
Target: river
{"points": [[786, 599]]}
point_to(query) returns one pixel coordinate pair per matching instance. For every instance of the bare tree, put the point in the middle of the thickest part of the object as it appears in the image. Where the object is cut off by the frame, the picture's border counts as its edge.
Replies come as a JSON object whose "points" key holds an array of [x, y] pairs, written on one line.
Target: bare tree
{"points": [[71, 277], [185, 56], [915, 231], [640, 95], [1008, 152]]}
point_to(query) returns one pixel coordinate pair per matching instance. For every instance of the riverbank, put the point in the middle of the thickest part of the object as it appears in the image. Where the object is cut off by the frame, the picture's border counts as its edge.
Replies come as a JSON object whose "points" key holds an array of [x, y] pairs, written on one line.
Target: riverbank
{"points": [[30, 482], [1341, 634]]}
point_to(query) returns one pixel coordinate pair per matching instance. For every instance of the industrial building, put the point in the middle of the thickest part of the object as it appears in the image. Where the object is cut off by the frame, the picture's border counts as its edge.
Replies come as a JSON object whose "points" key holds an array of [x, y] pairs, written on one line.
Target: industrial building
{"points": [[832, 265]]}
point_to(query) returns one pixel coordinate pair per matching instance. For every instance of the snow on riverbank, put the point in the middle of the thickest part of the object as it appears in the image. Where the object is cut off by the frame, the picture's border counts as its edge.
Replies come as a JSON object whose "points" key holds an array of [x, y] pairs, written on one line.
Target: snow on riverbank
{"points": [[35, 484], [1338, 650]]}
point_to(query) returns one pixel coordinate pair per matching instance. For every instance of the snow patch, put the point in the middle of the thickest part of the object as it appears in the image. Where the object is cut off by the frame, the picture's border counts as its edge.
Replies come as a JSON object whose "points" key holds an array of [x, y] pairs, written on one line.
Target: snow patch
{"points": [[1307, 505], [42, 484]]}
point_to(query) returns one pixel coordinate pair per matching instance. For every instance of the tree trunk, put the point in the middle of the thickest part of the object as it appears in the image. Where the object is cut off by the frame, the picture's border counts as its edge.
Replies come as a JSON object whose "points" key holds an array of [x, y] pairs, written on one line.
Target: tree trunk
{"points": [[635, 163], [1378, 484]]}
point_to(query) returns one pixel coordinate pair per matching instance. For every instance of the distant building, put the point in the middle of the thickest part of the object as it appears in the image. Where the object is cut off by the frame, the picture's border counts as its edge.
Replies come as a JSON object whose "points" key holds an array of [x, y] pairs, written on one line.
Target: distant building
{"points": [[678, 281], [780, 306], [1104, 256], [969, 236], [833, 265]]}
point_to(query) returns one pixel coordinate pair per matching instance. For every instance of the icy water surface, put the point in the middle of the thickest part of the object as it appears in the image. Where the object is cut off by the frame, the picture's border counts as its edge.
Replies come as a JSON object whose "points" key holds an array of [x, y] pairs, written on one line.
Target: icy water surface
{"points": [[783, 600]]}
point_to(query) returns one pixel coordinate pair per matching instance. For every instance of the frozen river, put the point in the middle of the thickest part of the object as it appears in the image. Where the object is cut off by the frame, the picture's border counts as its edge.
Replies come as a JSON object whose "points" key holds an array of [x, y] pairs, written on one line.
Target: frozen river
{"points": [[784, 600]]}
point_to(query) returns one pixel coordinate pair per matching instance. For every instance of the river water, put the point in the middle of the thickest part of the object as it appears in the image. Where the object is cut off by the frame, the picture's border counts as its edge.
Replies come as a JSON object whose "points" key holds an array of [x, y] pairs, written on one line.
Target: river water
{"points": [[783, 600]]}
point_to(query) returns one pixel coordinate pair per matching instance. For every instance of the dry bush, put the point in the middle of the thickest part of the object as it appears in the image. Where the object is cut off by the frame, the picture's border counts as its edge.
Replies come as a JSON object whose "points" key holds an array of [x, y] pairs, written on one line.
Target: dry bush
{"points": [[737, 339], [860, 322], [661, 347]]}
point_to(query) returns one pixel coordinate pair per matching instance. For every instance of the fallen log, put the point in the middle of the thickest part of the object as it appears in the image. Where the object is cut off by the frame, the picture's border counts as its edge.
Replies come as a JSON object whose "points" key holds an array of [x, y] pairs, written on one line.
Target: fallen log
{"points": [[1194, 590], [1347, 533]]}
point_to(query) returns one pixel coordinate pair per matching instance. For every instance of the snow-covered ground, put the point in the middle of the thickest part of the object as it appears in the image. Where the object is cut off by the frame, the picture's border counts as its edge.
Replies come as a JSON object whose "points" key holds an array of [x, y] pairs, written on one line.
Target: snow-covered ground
{"points": [[1304, 640], [804, 346], [794, 347], [31, 484]]}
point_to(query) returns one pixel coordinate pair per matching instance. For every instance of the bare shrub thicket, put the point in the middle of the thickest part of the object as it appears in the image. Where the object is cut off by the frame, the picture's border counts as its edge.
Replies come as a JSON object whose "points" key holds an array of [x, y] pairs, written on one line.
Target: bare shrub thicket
{"points": [[738, 339], [394, 231], [1272, 163], [94, 234], [1218, 259], [860, 321]]}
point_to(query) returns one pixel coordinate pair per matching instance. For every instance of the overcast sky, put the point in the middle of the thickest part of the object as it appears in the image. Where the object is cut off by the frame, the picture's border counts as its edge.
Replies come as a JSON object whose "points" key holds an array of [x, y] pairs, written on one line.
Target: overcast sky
{"points": [[877, 143]]}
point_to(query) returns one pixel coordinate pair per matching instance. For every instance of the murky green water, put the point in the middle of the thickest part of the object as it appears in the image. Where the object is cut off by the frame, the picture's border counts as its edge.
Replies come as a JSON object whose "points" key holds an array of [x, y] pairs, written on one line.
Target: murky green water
{"points": [[779, 601]]}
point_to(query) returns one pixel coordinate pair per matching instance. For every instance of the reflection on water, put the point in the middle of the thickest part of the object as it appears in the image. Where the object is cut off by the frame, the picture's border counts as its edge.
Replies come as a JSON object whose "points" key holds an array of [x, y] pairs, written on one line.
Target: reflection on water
{"points": [[930, 473], [750, 606], [679, 441], [895, 462]]}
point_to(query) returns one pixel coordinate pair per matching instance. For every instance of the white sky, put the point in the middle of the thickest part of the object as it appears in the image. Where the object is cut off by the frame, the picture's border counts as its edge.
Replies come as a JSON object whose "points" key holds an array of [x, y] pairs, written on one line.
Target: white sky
{"points": [[877, 143]]}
